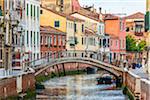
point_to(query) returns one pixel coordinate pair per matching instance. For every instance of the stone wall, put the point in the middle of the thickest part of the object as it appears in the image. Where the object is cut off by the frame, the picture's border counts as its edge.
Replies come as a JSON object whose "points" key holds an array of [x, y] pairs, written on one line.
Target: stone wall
{"points": [[133, 82], [28, 82], [145, 89]]}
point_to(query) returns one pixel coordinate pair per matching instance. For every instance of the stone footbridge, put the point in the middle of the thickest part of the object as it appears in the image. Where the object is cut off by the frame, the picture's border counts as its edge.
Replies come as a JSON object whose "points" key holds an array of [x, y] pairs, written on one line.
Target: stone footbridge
{"points": [[135, 84]]}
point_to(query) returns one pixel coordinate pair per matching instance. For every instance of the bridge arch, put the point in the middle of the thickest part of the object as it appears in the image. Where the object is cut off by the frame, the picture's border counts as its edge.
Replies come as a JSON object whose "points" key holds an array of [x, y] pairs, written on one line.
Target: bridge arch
{"points": [[90, 61]]}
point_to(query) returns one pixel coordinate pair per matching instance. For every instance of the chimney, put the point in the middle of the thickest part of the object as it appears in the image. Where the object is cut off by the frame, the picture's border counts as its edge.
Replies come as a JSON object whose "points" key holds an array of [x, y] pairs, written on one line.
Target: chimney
{"points": [[100, 10], [100, 13]]}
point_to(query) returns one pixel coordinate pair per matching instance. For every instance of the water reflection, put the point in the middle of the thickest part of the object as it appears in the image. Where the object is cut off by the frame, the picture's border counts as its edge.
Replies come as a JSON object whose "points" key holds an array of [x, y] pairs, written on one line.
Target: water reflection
{"points": [[80, 87]]}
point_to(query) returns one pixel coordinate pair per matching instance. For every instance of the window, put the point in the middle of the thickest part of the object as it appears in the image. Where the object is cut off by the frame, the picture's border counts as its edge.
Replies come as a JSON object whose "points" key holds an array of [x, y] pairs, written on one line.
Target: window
{"points": [[34, 11], [121, 25], [45, 39], [37, 55], [91, 41], [85, 40], [108, 42], [138, 28], [100, 42], [75, 27], [41, 11], [82, 28], [94, 42], [120, 43], [100, 29], [1, 54], [27, 9], [34, 56], [57, 24], [50, 40], [31, 38], [31, 10], [37, 38], [104, 42], [82, 41], [63, 40], [55, 40], [41, 41], [34, 39], [59, 40]]}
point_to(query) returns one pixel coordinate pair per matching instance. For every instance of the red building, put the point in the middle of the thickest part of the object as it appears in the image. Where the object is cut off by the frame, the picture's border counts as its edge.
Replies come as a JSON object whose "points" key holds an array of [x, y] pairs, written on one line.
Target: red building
{"points": [[52, 40]]}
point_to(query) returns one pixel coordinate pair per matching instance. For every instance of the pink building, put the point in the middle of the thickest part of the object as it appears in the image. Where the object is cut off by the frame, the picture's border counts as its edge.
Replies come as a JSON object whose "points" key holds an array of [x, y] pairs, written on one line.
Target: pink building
{"points": [[115, 27]]}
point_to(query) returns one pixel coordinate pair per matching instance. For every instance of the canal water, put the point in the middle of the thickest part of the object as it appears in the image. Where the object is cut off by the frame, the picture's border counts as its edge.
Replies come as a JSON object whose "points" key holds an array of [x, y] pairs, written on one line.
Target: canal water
{"points": [[79, 87]]}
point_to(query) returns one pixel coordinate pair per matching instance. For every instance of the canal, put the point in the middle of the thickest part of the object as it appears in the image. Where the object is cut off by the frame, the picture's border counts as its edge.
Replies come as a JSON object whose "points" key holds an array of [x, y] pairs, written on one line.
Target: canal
{"points": [[79, 87]]}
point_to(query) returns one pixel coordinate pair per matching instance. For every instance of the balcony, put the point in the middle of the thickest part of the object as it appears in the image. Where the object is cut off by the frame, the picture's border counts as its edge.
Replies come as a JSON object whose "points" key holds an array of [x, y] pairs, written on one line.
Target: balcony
{"points": [[139, 33]]}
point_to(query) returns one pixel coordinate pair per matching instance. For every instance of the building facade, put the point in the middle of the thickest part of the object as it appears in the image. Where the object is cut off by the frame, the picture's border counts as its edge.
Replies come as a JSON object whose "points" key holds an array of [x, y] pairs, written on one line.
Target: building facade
{"points": [[91, 25], [65, 6], [135, 26], [52, 40], [54, 19], [115, 27], [32, 30], [25, 15], [75, 34], [94, 25]]}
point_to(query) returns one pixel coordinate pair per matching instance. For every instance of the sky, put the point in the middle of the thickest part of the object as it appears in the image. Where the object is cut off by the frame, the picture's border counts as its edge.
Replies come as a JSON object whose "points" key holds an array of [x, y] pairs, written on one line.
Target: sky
{"points": [[117, 6]]}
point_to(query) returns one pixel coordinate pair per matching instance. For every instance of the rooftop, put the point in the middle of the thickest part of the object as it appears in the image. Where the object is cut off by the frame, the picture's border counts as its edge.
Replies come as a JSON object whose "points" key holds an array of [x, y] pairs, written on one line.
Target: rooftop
{"points": [[49, 29], [110, 17], [87, 13], [63, 15], [137, 15]]}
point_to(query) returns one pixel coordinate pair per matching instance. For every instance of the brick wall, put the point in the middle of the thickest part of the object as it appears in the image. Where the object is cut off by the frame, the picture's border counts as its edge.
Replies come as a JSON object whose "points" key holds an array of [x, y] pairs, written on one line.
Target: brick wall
{"points": [[28, 82], [8, 87]]}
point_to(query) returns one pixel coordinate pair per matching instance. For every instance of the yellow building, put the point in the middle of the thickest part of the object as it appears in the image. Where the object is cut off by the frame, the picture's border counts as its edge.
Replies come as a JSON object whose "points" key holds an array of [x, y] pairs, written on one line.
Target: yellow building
{"points": [[75, 34], [91, 37], [73, 27], [148, 5], [53, 19]]}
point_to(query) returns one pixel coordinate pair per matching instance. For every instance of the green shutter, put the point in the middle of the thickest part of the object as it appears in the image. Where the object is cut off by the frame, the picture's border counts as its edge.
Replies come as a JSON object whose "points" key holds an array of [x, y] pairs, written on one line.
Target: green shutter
{"points": [[34, 11], [27, 38], [31, 10], [27, 9], [147, 21]]}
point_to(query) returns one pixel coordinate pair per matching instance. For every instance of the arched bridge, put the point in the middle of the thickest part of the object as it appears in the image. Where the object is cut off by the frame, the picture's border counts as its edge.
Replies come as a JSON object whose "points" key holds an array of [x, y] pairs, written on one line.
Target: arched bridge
{"points": [[86, 57]]}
